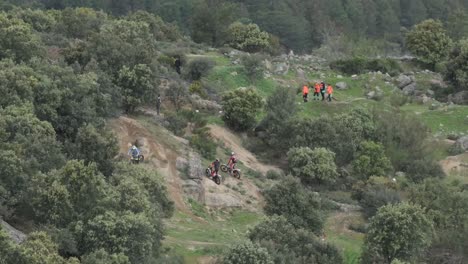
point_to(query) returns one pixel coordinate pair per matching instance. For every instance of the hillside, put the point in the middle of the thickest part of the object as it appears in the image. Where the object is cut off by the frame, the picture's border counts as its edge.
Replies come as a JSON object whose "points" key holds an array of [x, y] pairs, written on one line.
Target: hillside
{"points": [[372, 170]]}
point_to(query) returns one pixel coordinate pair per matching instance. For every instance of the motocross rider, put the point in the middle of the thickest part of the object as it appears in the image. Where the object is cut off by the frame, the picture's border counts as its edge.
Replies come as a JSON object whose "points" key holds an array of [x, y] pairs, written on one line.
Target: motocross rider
{"points": [[215, 167], [232, 162], [134, 152]]}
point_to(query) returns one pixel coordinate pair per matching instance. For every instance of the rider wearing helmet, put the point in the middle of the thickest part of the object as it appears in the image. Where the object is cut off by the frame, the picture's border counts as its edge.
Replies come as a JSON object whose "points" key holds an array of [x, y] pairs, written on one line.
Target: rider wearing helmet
{"points": [[134, 152], [215, 167], [232, 161]]}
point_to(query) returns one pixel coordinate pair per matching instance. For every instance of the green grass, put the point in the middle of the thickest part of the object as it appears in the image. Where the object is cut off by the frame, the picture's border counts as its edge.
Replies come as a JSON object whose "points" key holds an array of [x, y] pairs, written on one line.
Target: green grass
{"points": [[348, 242], [193, 238]]}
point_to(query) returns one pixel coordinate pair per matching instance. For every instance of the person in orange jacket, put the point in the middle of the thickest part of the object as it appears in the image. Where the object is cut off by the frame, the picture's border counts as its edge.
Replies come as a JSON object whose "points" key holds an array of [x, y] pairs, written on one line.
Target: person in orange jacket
{"points": [[305, 93], [317, 92], [329, 93]]}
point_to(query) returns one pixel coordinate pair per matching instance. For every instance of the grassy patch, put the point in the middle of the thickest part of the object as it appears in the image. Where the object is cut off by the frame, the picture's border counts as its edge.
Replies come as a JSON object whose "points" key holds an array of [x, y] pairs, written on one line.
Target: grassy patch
{"points": [[338, 233], [193, 238]]}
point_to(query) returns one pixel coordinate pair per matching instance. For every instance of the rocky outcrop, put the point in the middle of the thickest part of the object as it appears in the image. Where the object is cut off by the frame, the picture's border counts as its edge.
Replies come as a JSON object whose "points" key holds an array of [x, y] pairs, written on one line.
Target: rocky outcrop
{"points": [[459, 98], [341, 86], [410, 89], [403, 81], [14, 234], [461, 144], [282, 68], [193, 169], [222, 200], [202, 104]]}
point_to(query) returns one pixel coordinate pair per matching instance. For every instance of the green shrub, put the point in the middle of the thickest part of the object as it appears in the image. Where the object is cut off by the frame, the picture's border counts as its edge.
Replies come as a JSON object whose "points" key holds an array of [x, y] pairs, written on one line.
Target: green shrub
{"points": [[176, 123], [273, 175], [253, 65], [359, 65], [198, 68]]}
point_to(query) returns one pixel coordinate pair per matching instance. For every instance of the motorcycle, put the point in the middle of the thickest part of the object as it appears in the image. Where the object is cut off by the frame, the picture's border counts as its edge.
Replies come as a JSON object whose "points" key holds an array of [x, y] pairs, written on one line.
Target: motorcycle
{"points": [[236, 172], [216, 178], [136, 160]]}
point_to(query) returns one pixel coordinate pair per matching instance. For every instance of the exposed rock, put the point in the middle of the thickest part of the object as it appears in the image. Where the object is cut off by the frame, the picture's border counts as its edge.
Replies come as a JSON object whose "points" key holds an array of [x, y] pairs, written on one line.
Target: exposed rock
{"points": [[196, 170], [342, 86], [282, 68], [234, 73], [400, 174], [403, 81], [462, 143], [339, 76], [268, 65], [354, 77], [409, 89], [438, 83], [234, 53], [200, 103], [194, 189], [181, 164], [222, 200], [459, 98], [14, 234], [430, 93], [301, 74]]}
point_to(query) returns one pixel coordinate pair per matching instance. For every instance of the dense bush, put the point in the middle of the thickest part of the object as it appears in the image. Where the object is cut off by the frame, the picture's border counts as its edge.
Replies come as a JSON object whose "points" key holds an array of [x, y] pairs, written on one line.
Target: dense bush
{"points": [[241, 107], [247, 37], [300, 206], [286, 244], [253, 65], [359, 65], [198, 68], [315, 166], [429, 41], [370, 161], [247, 252], [457, 66], [397, 232]]}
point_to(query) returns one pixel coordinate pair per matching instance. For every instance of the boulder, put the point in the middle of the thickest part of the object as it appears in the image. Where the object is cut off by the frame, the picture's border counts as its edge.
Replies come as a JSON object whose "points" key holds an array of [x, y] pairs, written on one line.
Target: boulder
{"points": [[268, 65], [282, 68], [341, 86], [339, 76], [459, 98], [403, 81], [195, 190], [16, 235], [196, 170], [410, 89], [462, 143], [301, 74]]}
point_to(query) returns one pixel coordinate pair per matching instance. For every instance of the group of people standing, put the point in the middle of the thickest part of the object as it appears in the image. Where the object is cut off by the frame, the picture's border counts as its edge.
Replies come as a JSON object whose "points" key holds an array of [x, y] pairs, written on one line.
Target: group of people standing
{"points": [[319, 89]]}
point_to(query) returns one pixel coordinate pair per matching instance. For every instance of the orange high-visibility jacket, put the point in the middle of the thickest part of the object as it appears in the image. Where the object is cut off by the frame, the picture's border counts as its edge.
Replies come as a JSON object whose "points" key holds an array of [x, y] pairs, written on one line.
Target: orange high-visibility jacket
{"points": [[317, 88], [305, 89], [329, 89]]}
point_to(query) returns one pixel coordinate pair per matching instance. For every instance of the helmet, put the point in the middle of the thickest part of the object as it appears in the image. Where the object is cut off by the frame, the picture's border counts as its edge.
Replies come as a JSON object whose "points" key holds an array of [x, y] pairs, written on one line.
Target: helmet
{"points": [[217, 159], [232, 153], [134, 147]]}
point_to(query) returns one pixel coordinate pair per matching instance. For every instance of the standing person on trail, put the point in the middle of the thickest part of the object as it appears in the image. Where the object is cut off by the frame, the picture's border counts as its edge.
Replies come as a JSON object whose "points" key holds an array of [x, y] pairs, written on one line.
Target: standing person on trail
{"points": [[305, 93], [158, 104], [134, 152], [232, 161], [215, 167], [316, 91], [322, 90], [177, 65], [329, 93]]}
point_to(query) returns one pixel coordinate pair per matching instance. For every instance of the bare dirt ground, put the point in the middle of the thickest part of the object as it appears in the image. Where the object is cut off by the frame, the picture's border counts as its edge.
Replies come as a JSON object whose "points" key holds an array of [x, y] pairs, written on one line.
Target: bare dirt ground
{"points": [[156, 154], [234, 143], [455, 164]]}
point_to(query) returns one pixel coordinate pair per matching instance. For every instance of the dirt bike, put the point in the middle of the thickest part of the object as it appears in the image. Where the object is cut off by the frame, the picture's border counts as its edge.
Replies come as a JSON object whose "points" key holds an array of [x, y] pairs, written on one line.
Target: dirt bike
{"points": [[136, 160], [216, 178], [236, 172]]}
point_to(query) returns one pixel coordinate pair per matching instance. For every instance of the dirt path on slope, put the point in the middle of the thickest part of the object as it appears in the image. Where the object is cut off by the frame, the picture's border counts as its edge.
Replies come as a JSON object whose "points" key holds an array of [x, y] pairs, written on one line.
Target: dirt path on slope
{"points": [[455, 164], [233, 142], [156, 154]]}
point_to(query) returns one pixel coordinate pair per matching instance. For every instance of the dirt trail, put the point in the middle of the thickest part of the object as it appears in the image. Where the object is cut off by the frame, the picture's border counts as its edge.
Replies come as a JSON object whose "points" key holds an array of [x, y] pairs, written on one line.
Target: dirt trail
{"points": [[233, 142], [156, 154], [455, 164]]}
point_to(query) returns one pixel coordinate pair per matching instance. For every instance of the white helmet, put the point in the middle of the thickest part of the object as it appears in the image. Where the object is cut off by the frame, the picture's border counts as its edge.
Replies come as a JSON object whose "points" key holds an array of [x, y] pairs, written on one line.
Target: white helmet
{"points": [[134, 147], [232, 153]]}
